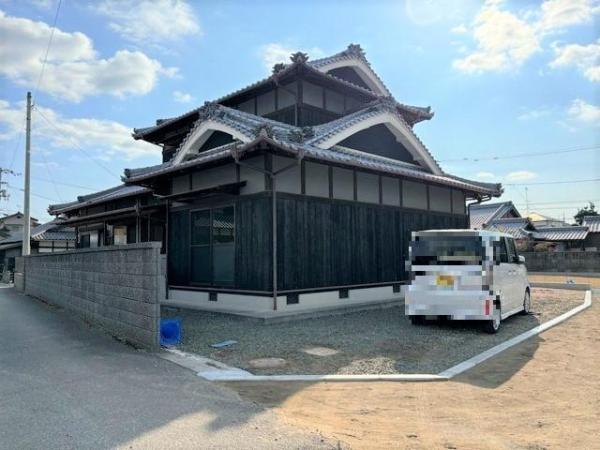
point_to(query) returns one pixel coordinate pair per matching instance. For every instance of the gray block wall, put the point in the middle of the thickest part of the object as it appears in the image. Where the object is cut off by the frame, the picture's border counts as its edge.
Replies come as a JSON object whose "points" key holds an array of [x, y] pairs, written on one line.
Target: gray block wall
{"points": [[573, 262], [118, 288]]}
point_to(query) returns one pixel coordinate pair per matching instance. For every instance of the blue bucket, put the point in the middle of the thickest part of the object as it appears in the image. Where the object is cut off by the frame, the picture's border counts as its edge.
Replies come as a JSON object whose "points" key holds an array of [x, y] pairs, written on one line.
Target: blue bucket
{"points": [[170, 331]]}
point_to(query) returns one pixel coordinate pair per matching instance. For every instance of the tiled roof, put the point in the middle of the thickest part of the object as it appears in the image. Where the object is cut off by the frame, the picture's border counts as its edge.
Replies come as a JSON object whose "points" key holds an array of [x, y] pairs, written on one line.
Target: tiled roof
{"points": [[312, 67], [300, 141], [49, 231], [481, 214], [593, 223], [570, 233], [517, 227], [113, 193]]}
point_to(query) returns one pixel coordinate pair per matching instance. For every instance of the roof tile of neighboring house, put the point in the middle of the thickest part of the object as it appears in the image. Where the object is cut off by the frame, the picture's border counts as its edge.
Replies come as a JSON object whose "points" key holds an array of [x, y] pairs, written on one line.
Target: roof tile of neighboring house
{"points": [[481, 214], [593, 223], [570, 233], [517, 227], [113, 193], [49, 231]]}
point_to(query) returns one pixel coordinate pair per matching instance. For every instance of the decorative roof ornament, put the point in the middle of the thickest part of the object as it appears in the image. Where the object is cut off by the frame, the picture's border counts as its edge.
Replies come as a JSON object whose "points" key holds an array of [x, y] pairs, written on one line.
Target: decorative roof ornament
{"points": [[263, 130], [355, 50], [278, 68], [209, 110], [301, 135], [299, 57], [389, 104]]}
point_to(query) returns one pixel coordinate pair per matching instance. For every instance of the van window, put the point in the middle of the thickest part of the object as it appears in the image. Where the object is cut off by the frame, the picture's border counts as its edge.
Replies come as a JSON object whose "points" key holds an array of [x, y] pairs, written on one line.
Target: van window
{"points": [[512, 251], [500, 253], [447, 250]]}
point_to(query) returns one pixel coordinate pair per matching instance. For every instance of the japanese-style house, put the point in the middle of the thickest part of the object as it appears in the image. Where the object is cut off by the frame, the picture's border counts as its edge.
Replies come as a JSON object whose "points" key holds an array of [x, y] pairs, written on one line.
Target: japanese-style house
{"points": [[299, 191]]}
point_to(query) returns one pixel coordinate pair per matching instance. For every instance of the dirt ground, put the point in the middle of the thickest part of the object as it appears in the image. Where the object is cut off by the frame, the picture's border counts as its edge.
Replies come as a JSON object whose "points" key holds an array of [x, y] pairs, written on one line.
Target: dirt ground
{"points": [[542, 394], [592, 281]]}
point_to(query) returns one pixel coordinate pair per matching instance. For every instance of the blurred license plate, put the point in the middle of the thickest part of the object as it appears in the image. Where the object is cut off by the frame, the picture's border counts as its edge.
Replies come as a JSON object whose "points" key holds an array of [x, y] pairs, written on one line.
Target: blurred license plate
{"points": [[444, 280]]}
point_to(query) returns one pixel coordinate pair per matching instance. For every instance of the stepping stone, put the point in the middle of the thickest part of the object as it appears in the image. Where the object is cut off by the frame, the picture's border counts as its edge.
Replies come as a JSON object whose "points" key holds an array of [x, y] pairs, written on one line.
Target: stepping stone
{"points": [[320, 351], [267, 363]]}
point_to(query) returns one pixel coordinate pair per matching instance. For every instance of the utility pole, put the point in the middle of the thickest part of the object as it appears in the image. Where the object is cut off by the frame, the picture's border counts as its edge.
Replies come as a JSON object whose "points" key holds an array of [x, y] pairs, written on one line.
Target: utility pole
{"points": [[3, 192], [27, 227], [526, 202]]}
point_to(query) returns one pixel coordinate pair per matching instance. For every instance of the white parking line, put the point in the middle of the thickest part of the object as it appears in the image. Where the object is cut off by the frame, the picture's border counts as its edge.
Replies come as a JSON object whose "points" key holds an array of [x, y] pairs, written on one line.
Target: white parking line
{"points": [[217, 371]]}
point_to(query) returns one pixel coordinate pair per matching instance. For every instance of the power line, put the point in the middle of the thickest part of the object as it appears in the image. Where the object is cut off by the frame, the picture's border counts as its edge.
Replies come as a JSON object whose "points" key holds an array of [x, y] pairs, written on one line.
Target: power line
{"points": [[559, 202], [552, 182], [76, 144], [67, 184], [524, 155], [10, 186], [48, 47]]}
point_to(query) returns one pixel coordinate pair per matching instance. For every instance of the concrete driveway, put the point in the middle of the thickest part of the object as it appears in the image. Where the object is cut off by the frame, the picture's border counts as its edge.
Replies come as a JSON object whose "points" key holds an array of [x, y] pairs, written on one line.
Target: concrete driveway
{"points": [[66, 385]]}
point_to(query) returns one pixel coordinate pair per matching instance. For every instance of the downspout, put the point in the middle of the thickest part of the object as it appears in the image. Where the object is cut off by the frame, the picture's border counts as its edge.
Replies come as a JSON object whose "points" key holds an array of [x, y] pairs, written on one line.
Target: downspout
{"points": [[272, 175]]}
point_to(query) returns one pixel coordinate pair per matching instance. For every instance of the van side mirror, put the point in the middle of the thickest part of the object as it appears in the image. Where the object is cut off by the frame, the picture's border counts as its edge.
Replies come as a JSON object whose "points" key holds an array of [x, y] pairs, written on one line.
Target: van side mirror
{"points": [[521, 259]]}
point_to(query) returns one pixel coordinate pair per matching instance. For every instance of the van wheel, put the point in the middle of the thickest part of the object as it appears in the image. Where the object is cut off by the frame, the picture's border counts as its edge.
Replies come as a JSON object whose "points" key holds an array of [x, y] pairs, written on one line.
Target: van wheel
{"points": [[492, 326], [417, 320], [526, 303]]}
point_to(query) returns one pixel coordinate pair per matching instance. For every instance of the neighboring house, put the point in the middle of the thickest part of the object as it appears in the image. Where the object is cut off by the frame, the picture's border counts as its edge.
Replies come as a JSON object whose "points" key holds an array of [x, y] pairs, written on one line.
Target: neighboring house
{"points": [[564, 238], [520, 228], [14, 222], [541, 221], [592, 240], [298, 191], [482, 214], [45, 238]]}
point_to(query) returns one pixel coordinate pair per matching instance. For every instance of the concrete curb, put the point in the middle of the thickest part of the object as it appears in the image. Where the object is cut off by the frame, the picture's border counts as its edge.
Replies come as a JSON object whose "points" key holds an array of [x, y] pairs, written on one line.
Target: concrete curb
{"points": [[216, 371]]}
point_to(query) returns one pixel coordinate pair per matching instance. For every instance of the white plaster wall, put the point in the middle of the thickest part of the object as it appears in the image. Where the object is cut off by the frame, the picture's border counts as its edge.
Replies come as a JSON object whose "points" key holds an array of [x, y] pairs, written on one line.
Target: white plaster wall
{"points": [[458, 202], [214, 177], [414, 195], [316, 179], [343, 184], [290, 180], [440, 199], [255, 180], [390, 191], [367, 187]]}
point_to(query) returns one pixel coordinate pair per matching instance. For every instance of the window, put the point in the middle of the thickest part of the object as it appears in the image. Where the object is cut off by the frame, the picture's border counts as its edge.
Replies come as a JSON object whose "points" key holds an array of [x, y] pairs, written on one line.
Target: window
{"points": [[512, 251], [213, 246], [286, 98], [500, 253], [120, 235], [265, 103]]}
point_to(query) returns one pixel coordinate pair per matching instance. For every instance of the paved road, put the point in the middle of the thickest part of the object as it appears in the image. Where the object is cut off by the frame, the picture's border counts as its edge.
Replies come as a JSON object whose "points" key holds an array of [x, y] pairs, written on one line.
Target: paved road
{"points": [[65, 385]]}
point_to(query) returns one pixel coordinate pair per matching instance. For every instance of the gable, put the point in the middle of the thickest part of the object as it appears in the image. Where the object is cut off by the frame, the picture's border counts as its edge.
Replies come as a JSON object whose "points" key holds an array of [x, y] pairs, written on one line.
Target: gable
{"points": [[379, 140], [349, 74], [216, 139]]}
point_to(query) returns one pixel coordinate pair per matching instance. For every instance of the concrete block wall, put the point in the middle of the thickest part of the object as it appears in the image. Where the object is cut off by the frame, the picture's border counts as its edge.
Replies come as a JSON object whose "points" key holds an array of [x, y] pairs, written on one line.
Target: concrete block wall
{"points": [[572, 262], [118, 288]]}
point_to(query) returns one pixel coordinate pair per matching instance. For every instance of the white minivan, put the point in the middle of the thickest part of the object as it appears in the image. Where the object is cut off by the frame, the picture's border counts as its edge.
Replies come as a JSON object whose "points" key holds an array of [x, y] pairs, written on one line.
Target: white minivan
{"points": [[466, 275]]}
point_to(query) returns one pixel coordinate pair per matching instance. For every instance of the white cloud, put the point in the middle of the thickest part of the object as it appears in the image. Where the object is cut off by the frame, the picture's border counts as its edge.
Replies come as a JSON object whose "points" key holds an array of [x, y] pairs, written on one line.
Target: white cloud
{"points": [[584, 113], [73, 70], [182, 97], [586, 58], [520, 175], [559, 14], [107, 138], [274, 53], [150, 21], [459, 29], [504, 41], [534, 114], [485, 175]]}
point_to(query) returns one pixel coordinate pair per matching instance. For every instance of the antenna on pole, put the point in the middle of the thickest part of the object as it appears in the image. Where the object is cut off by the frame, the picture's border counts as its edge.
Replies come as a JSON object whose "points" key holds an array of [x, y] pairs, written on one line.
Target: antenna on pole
{"points": [[27, 227]]}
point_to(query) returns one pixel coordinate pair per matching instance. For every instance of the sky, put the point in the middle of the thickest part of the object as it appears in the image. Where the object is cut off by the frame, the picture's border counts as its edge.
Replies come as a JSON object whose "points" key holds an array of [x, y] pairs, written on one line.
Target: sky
{"points": [[514, 84]]}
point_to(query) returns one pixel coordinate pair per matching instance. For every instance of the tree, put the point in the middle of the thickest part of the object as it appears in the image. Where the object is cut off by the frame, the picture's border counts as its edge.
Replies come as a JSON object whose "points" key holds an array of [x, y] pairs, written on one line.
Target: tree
{"points": [[589, 210]]}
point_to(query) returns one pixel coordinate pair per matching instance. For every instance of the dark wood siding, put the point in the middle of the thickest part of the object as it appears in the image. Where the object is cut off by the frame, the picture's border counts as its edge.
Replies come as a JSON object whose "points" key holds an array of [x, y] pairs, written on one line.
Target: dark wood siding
{"points": [[321, 242]]}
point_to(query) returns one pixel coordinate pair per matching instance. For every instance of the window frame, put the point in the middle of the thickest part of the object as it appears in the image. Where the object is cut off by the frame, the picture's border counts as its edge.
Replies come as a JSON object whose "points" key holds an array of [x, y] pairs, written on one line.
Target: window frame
{"points": [[210, 245]]}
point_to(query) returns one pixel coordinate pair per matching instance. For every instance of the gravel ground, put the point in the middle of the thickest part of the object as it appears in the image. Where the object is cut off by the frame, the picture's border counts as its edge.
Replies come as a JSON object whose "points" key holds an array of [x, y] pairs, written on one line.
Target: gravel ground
{"points": [[369, 342]]}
